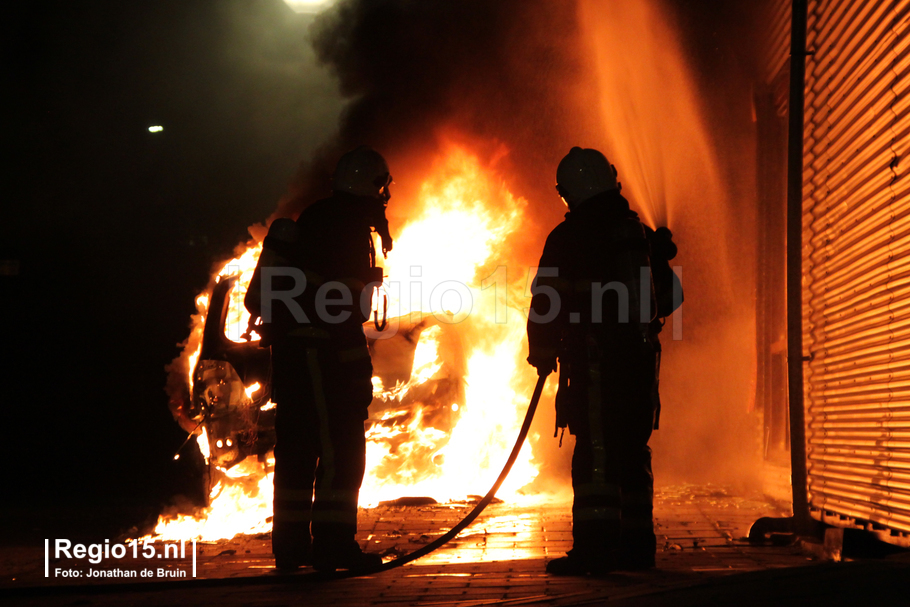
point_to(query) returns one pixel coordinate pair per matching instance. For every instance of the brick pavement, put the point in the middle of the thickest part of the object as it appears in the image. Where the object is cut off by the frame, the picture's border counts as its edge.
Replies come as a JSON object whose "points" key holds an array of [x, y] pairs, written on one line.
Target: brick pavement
{"points": [[498, 560]]}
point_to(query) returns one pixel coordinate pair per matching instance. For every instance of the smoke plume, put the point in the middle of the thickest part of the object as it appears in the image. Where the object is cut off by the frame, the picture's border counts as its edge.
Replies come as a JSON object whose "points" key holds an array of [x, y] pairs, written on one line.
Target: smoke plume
{"points": [[417, 73]]}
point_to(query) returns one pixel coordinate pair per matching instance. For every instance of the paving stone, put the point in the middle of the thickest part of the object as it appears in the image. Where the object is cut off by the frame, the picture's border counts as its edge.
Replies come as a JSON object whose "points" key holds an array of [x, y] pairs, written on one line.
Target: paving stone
{"points": [[501, 559]]}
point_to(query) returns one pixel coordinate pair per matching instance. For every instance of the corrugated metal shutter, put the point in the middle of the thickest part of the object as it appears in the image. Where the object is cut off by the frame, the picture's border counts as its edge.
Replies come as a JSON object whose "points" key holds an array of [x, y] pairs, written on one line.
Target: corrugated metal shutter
{"points": [[856, 265], [775, 52]]}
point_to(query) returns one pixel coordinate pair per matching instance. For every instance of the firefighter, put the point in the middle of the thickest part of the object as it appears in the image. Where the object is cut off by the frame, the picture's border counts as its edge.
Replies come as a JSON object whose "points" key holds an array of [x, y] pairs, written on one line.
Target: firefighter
{"points": [[595, 313], [318, 274]]}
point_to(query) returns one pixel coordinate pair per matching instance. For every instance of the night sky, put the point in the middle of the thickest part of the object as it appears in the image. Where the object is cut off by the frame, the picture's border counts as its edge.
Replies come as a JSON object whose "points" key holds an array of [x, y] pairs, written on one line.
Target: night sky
{"points": [[116, 229]]}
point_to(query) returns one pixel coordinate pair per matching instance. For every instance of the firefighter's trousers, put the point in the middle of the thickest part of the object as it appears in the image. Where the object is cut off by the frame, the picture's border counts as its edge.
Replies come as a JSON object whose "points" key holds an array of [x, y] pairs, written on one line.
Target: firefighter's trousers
{"points": [[611, 465], [322, 393]]}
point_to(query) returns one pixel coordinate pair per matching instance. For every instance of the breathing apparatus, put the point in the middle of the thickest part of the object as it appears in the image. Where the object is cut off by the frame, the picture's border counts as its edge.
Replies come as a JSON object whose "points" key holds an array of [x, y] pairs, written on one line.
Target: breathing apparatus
{"points": [[363, 172]]}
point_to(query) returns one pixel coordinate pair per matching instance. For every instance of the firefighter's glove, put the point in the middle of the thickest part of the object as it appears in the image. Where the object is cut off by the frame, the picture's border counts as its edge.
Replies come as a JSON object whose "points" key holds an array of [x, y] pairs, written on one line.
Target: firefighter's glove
{"points": [[545, 364], [662, 244], [386, 242]]}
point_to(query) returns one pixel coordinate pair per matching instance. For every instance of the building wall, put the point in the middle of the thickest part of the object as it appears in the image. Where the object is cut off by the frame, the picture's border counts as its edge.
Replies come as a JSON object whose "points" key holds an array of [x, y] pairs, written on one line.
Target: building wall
{"points": [[856, 263], [770, 103]]}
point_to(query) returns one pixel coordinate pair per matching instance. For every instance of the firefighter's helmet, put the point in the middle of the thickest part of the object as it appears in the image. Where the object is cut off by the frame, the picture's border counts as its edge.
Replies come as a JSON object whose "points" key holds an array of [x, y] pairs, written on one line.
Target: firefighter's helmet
{"points": [[363, 172], [584, 173]]}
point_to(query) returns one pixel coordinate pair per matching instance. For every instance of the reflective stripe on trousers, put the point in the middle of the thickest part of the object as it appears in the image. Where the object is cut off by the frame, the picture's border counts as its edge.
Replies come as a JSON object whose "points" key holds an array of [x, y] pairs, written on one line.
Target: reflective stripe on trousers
{"points": [[597, 507], [611, 466], [319, 442]]}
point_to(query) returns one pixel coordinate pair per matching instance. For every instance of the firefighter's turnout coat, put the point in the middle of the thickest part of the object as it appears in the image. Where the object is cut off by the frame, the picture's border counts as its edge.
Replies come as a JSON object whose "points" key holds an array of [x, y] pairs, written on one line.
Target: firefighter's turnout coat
{"points": [[595, 307], [321, 372]]}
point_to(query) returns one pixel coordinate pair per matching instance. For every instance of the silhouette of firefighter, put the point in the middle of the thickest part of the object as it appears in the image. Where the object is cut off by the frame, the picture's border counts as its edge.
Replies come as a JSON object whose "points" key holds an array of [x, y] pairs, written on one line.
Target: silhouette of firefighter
{"points": [[603, 285], [312, 291]]}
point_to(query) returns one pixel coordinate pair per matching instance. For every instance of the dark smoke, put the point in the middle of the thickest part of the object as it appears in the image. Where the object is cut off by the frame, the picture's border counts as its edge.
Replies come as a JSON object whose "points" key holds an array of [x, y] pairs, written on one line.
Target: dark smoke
{"points": [[415, 70]]}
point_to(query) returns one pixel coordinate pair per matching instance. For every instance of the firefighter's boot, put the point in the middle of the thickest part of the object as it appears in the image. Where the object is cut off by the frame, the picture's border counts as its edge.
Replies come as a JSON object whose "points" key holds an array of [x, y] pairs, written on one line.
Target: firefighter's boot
{"points": [[348, 556], [575, 565], [291, 547]]}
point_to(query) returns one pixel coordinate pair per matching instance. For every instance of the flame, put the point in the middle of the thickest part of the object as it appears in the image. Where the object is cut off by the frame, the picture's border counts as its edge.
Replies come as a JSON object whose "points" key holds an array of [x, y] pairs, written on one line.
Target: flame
{"points": [[243, 267], [240, 502], [466, 216], [195, 340], [462, 224], [238, 318], [251, 390], [202, 439]]}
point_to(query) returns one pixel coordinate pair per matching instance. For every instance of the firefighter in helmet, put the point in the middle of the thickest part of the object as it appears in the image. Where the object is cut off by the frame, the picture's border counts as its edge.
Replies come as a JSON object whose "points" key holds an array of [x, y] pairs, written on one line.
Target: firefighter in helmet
{"points": [[312, 293], [595, 313]]}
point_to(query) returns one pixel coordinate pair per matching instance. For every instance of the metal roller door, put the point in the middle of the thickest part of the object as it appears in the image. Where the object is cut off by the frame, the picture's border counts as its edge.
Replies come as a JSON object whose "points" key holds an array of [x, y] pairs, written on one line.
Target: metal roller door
{"points": [[856, 265]]}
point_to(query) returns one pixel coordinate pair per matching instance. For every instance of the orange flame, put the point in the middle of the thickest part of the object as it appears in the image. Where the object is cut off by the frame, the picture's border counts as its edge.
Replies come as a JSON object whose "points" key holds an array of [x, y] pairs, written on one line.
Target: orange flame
{"points": [[442, 258], [444, 264]]}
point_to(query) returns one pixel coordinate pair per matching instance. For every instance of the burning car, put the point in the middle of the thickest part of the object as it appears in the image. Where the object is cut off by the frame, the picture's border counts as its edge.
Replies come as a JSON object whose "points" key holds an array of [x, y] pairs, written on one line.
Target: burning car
{"points": [[450, 389], [229, 404]]}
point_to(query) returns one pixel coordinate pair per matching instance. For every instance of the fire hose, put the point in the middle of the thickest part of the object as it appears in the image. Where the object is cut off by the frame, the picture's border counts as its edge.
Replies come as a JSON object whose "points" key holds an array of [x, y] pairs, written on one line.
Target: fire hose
{"points": [[316, 576], [473, 514]]}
